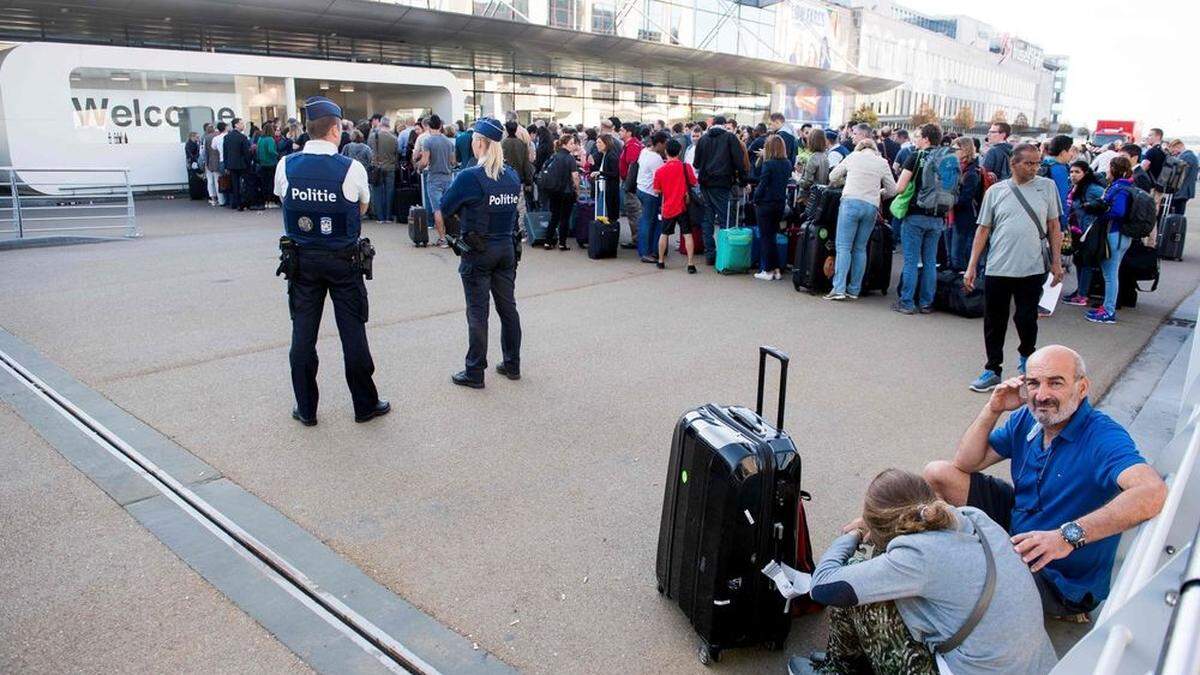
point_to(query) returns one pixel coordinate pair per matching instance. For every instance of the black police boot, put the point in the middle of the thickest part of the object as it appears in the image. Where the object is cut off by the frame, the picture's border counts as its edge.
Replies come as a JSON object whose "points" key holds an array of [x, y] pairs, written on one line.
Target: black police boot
{"points": [[381, 408], [463, 380], [306, 421], [510, 374]]}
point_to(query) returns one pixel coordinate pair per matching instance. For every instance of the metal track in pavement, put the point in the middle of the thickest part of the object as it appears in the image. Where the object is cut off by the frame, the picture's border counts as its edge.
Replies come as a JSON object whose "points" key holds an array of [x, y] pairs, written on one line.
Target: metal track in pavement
{"points": [[386, 649]]}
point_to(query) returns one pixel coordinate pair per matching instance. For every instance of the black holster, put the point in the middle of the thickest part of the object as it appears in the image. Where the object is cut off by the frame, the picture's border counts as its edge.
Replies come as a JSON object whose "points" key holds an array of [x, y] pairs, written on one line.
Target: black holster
{"points": [[289, 260], [363, 257]]}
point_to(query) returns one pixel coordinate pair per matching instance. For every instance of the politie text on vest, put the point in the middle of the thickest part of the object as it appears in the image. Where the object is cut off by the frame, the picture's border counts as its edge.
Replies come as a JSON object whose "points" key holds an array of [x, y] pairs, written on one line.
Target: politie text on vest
{"points": [[313, 195], [503, 200]]}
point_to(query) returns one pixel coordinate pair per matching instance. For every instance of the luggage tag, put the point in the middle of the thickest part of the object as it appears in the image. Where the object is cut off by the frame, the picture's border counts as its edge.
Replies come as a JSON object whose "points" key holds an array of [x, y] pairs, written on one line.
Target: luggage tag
{"points": [[789, 582]]}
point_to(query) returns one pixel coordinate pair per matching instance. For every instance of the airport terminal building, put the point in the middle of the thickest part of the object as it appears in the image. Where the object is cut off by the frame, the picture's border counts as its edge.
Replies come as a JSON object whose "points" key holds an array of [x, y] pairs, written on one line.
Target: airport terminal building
{"points": [[131, 78]]}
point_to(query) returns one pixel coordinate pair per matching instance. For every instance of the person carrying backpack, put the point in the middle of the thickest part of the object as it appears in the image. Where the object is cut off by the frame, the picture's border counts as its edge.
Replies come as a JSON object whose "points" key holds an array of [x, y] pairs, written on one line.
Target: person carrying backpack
{"points": [[559, 181], [1130, 216], [1000, 151], [933, 172], [966, 207]]}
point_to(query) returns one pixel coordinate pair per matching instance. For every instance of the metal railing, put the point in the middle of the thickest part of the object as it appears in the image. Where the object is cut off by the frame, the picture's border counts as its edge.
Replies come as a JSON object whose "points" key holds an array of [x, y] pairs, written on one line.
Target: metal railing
{"points": [[1151, 620], [41, 201]]}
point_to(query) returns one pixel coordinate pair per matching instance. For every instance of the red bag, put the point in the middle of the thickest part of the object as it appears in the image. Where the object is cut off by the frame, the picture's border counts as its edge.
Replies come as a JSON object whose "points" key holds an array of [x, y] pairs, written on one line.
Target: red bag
{"points": [[804, 559]]}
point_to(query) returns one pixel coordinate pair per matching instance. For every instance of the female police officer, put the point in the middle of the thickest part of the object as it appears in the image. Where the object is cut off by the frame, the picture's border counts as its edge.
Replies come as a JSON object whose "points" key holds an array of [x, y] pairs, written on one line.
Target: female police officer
{"points": [[485, 196]]}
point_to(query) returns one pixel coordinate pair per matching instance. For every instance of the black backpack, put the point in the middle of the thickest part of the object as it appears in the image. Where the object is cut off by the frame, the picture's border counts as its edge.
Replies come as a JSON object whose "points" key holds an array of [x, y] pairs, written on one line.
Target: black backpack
{"points": [[548, 179], [1139, 214]]}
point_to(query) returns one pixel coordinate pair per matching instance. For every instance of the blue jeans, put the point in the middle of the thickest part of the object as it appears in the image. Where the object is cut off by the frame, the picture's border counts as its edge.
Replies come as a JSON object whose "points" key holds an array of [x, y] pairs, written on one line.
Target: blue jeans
{"points": [[716, 216], [962, 237], [1118, 244], [435, 187], [383, 194], [919, 241], [856, 220], [649, 226]]}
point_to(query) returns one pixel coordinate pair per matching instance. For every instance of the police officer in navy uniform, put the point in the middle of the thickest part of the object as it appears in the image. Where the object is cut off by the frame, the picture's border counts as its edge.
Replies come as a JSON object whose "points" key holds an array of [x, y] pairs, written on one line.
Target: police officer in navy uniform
{"points": [[323, 195], [485, 197]]}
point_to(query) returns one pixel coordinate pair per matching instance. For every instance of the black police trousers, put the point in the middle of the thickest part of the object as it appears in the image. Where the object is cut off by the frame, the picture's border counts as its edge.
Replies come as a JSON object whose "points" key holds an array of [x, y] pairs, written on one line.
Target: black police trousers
{"points": [[492, 271], [317, 273]]}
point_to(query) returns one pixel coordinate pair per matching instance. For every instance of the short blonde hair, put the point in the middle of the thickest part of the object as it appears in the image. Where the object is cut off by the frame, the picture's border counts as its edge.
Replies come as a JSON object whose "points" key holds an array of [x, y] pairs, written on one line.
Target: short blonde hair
{"points": [[866, 144], [967, 146]]}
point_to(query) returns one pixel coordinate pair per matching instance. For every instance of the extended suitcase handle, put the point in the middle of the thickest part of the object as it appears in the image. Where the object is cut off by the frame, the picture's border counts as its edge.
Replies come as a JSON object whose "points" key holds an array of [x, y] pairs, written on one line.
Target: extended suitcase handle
{"points": [[763, 351]]}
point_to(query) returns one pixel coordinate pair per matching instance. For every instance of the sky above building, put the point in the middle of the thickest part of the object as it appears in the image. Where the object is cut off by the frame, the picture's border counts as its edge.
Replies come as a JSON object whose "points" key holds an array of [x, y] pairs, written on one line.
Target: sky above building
{"points": [[1129, 60]]}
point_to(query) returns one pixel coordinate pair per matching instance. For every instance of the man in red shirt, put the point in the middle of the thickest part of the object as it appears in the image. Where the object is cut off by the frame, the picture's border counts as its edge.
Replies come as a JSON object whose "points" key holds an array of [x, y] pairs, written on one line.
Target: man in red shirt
{"points": [[631, 208], [673, 181]]}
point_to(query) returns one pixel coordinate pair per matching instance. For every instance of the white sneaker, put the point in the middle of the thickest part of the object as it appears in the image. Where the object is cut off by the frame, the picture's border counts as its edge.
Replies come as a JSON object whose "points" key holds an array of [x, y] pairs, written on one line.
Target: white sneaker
{"points": [[765, 276], [776, 276]]}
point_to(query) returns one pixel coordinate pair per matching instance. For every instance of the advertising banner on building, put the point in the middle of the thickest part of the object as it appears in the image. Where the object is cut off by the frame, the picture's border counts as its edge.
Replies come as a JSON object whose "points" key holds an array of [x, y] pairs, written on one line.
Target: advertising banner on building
{"points": [[815, 35]]}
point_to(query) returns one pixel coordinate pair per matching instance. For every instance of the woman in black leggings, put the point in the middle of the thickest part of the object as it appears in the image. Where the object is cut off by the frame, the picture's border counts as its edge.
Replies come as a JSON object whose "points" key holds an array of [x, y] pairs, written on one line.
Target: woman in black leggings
{"points": [[565, 177], [608, 170]]}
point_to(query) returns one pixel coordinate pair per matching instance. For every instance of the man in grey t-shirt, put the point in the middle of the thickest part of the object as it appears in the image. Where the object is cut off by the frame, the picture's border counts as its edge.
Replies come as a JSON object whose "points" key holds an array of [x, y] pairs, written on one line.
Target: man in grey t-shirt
{"points": [[1016, 262], [434, 157]]}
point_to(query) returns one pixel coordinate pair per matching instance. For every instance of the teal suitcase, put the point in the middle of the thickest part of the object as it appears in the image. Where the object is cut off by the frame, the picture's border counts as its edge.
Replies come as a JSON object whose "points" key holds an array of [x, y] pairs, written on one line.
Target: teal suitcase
{"points": [[734, 245]]}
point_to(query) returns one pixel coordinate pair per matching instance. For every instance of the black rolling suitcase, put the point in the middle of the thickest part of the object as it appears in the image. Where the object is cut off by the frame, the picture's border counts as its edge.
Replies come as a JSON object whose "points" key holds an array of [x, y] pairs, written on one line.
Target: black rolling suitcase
{"points": [[814, 246], [1171, 232], [732, 505], [878, 275], [418, 220], [603, 236]]}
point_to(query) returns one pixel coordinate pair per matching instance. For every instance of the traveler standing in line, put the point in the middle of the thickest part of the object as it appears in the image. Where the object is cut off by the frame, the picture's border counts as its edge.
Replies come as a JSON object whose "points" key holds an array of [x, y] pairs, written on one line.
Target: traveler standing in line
{"points": [[1117, 198], [920, 231], [267, 154], [779, 125], [216, 162], [485, 195], [1018, 222], [902, 610], [673, 181], [816, 169], [629, 148], [360, 152], [650, 226], [999, 153], [564, 186], [722, 168], [770, 194], [1085, 208], [966, 209], [1141, 177], [867, 177], [1100, 162], [1056, 167], [324, 195], [1186, 191], [607, 167], [237, 162], [689, 153], [462, 146], [1153, 155], [191, 152], [889, 149], [842, 150], [385, 149], [434, 155], [679, 133], [906, 149], [516, 155], [545, 146]]}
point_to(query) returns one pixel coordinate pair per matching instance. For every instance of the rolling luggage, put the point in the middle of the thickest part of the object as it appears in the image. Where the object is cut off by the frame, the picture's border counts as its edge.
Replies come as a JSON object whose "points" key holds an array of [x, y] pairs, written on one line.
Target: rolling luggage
{"points": [[585, 212], [951, 296], [695, 214], [418, 220], [822, 206], [197, 185], [1171, 233], [879, 260], [781, 245], [406, 198], [734, 246], [732, 504], [536, 225], [603, 235], [813, 248]]}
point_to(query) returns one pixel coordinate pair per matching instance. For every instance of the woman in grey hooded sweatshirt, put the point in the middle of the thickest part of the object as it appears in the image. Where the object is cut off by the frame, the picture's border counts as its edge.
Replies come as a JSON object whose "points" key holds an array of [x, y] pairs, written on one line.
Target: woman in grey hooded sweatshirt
{"points": [[892, 611]]}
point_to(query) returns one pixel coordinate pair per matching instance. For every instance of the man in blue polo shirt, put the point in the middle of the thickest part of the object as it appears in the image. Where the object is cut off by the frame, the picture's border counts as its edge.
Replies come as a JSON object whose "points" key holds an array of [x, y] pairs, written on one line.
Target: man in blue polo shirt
{"points": [[1079, 479]]}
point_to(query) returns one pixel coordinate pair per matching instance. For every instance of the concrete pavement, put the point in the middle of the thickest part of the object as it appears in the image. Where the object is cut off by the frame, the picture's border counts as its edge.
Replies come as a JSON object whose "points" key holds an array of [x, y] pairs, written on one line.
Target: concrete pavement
{"points": [[490, 509]]}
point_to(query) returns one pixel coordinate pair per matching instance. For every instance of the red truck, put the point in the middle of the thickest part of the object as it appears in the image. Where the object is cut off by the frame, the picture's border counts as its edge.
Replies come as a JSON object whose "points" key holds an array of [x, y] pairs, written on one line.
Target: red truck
{"points": [[1107, 131]]}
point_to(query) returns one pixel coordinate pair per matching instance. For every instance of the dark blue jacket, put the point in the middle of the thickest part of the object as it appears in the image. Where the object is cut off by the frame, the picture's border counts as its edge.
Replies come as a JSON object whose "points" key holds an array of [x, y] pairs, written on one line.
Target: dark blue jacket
{"points": [[487, 206], [1117, 198], [773, 176], [966, 209], [237, 151]]}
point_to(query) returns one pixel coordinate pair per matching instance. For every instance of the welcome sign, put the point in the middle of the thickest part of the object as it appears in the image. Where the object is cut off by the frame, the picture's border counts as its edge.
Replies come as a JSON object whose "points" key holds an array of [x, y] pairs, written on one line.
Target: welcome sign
{"points": [[110, 116]]}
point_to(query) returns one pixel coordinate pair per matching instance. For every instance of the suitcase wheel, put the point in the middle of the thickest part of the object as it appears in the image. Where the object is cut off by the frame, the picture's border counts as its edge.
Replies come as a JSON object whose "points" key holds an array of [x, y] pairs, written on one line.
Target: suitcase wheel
{"points": [[709, 655], [773, 645], [661, 590]]}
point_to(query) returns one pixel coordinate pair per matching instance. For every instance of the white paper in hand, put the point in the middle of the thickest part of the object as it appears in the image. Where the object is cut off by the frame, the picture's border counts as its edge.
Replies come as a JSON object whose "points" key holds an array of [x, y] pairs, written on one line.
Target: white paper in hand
{"points": [[789, 582], [1050, 295]]}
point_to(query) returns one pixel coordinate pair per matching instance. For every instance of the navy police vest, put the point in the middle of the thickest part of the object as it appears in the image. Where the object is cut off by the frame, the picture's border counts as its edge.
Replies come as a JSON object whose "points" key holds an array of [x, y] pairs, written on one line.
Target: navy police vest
{"points": [[494, 212], [316, 213]]}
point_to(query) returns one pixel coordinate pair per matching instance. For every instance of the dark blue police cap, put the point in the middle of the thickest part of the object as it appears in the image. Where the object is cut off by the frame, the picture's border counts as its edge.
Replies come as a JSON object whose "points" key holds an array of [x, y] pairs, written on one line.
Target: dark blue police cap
{"points": [[490, 128], [831, 134], [316, 107]]}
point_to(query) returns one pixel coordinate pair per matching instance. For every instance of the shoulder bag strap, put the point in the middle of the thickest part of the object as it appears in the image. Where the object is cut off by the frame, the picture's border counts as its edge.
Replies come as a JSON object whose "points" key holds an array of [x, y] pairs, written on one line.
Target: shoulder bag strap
{"points": [[981, 605], [1028, 209]]}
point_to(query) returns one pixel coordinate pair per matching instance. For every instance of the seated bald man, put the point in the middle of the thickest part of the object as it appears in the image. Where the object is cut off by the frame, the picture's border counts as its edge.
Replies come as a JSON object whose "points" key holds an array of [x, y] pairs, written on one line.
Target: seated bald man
{"points": [[1079, 479]]}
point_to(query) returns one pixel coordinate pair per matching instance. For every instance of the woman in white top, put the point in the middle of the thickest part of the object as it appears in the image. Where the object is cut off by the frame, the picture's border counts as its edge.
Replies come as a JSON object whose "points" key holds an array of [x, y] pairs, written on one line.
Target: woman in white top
{"points": [[866, 175]]}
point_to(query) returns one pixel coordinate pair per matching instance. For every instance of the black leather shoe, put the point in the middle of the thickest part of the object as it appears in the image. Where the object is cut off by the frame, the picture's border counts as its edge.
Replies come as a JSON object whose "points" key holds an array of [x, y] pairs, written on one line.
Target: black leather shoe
{"points": [[503, 370], [381, 408], [306, 421], [463, 380]]}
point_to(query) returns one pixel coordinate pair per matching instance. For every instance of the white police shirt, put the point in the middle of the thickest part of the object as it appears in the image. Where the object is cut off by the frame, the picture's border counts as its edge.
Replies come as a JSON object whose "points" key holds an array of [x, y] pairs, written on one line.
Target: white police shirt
{"points": [[355, 187]]}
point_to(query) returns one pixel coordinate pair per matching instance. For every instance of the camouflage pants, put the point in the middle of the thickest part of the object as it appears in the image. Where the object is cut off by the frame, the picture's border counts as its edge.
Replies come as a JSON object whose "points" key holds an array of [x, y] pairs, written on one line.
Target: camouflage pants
{"points": [[874, 639]]}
